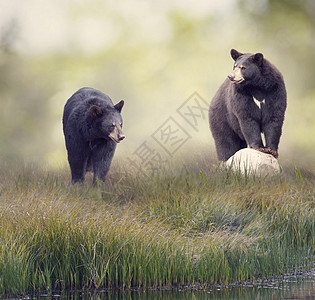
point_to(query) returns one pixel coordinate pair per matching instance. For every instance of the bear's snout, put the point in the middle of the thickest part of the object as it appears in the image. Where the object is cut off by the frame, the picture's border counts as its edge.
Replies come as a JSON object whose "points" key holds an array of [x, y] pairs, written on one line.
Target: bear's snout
{"points": [[121, 137], [236, 77], [117, 134], [231, 77]]}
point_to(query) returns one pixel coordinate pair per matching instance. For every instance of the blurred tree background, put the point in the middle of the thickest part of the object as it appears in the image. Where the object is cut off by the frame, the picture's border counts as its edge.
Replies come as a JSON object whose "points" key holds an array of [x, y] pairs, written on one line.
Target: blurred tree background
{"points": [[152, 54]]}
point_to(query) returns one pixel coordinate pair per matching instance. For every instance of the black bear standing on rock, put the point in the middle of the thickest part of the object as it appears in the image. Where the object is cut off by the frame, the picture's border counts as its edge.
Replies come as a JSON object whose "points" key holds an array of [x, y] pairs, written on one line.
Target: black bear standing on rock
{"points": [[92, 126], [236, 121]]}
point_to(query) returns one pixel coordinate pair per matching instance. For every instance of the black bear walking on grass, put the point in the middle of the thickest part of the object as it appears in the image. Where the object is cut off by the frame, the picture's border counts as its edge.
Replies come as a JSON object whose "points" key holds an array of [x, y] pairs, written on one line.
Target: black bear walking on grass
{"points": [[251, 101], [92, 126]]}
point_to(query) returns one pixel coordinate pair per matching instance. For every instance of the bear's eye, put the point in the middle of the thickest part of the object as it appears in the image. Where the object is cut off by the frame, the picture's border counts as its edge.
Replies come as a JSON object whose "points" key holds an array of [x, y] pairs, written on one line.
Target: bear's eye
{"points": [[243, 68]]}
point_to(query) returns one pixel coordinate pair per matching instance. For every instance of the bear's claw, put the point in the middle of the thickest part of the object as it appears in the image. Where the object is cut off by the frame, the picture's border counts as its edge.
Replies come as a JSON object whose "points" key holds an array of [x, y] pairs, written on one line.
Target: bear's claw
{"points": [[268, 150]]}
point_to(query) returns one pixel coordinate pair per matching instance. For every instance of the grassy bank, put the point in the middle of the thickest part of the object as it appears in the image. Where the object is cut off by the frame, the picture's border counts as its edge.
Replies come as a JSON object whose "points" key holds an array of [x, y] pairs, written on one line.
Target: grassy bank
{"points": [[189, 225]]}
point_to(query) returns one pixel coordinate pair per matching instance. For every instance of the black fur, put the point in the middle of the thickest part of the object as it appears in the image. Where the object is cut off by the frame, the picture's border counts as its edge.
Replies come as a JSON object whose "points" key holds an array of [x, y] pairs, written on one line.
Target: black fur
{"points": [[235, 120], [87, 122]]}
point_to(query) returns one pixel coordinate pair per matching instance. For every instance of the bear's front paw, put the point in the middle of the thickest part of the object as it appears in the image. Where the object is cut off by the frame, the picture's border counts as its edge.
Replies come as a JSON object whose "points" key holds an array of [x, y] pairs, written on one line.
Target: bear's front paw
{"points": [[261, 149], [268, 150], [274, 153]]}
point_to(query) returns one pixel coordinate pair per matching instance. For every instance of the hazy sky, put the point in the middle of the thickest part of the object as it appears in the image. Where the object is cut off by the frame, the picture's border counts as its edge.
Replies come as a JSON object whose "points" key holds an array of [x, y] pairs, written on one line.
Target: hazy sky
{"points": [[54, 25]]}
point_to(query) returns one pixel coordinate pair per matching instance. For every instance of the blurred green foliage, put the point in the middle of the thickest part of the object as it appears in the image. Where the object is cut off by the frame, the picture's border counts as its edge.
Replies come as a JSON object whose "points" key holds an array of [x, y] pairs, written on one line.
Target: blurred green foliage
{"points": [[155, 69], [25, 117]]}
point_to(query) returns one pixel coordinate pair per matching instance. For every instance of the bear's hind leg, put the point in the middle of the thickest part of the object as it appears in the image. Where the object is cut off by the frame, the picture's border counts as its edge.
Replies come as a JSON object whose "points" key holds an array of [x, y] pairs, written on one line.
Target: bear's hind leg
{"points": [[228, 144]]}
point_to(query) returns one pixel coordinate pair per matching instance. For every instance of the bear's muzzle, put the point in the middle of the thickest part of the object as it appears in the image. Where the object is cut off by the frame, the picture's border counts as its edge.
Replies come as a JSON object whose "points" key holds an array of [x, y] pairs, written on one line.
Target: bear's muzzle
{"points": [[117, 134]]}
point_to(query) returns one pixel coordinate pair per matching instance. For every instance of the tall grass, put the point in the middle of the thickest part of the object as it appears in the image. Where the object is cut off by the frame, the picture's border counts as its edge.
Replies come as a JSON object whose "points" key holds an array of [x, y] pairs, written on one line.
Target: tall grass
{"points": [[190, 225]]}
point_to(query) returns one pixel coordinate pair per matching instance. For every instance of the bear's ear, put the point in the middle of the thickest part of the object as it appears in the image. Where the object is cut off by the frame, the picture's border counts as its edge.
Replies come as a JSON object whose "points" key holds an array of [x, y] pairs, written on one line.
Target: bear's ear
{"points": [[119, 105], [258, 59], [235, 54], [95, 111]]}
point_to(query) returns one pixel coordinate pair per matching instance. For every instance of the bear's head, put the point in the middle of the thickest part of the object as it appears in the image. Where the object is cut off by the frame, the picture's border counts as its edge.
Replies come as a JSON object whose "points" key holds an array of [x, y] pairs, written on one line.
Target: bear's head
{"points": [[108, 121], [247, 67]]}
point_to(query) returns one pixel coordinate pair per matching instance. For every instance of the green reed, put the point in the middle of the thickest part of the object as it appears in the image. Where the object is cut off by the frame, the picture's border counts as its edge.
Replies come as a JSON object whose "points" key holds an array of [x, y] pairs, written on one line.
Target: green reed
{"points": [[188, 226]]}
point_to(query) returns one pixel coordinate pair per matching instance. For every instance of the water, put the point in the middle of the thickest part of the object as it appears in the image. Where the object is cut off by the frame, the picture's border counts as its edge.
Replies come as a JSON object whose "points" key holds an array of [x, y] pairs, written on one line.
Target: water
{"points": [[292, 287]]}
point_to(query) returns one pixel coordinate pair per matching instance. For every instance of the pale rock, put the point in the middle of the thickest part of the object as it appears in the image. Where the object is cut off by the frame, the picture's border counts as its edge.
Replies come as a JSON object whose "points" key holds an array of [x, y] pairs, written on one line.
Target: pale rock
{"points": [[250, 161]]}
